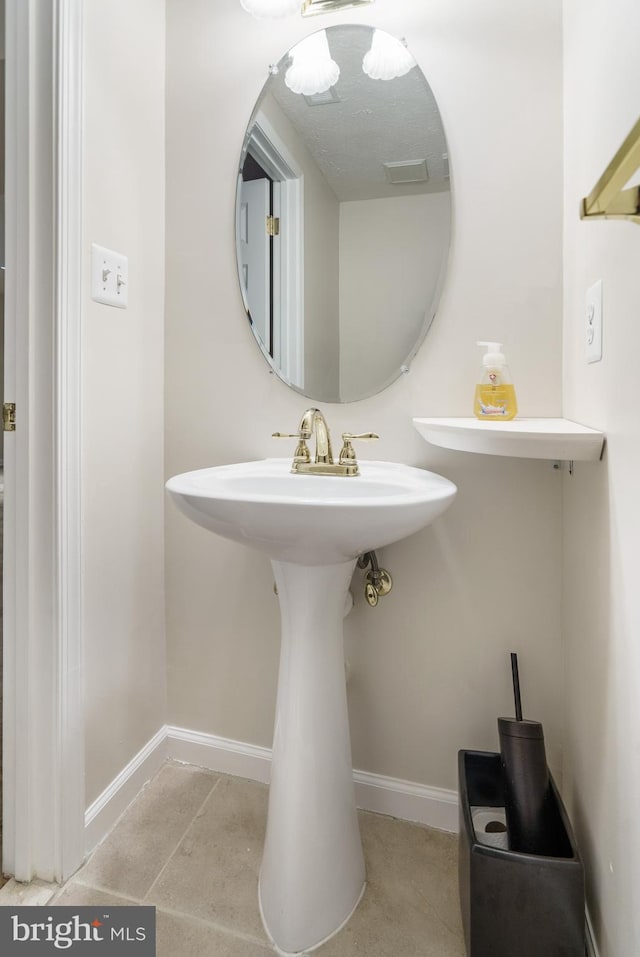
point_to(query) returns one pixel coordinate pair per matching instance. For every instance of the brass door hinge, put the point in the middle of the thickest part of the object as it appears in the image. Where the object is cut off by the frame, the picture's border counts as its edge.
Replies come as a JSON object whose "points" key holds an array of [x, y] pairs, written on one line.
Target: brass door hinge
{"points": [[273, 226], [9, 416]]}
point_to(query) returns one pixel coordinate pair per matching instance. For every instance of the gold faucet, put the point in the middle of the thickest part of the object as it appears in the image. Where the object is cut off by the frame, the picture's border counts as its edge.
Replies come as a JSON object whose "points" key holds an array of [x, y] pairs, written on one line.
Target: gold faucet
{"points": [[312, 423]]}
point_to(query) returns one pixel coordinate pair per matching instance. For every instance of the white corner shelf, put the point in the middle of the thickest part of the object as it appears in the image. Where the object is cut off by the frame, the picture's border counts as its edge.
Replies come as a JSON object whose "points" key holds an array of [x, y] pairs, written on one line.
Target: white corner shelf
{"points": [[556, 439]]}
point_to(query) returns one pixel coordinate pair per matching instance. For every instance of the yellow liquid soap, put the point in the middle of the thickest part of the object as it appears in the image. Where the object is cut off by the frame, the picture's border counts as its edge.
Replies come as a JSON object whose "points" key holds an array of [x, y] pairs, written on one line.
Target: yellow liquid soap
{"points": [[495, 402]]}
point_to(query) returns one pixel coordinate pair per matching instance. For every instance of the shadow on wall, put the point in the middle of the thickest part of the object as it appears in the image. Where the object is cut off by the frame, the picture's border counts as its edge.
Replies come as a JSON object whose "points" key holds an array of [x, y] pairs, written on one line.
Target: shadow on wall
{"points": [[588, 626]]}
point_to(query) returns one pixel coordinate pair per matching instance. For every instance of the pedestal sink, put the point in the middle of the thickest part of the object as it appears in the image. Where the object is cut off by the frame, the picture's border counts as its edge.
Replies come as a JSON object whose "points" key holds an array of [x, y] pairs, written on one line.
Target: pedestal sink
{"points": [[313, 528]]}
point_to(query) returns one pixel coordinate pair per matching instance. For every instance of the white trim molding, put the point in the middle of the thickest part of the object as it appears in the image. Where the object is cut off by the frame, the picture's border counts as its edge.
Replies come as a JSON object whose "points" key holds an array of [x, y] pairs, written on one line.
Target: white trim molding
{"points": [[101, 816], [67, 444], [15, 662], [406, 800], [43, 777], [435, 807], [219, 754]]}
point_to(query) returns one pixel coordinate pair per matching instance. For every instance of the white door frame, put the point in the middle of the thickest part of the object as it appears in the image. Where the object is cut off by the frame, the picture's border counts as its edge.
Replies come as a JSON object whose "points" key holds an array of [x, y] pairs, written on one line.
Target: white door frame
{"points": [[43, 778]]}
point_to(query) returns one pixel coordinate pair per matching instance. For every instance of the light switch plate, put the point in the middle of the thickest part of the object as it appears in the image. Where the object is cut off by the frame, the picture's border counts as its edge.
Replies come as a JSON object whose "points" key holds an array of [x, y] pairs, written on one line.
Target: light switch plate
{"points": [[593, 323], [109, 277]]}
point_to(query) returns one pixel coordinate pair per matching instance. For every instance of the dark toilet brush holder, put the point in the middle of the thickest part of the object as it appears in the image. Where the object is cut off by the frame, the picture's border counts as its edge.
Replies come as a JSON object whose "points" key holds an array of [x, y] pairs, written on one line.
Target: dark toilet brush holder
{"points": [[517, 904]]}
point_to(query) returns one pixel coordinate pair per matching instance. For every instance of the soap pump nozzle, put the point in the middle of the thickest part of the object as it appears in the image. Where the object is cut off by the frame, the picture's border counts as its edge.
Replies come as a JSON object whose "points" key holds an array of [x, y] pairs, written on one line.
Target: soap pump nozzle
{"points": [[494, 356]]}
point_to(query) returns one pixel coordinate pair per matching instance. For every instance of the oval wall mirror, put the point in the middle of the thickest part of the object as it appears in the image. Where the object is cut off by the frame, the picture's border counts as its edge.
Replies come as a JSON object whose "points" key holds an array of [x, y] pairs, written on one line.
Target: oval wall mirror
{"points": [[343, 213]]}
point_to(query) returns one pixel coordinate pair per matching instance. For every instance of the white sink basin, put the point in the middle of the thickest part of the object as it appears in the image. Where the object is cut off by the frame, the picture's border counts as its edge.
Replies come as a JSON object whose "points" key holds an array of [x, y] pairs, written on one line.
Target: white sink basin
{"points": [[311, 519], [313, 527]]}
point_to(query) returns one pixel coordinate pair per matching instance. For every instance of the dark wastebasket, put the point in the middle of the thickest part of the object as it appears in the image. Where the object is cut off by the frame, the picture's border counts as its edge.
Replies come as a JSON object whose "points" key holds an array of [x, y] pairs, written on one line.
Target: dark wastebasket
{"points": [[514, 904]]}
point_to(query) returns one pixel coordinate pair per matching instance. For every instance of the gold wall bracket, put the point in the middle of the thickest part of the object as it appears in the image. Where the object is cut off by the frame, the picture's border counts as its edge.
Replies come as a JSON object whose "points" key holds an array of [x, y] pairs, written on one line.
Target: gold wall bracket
{"points": [[608, 199]]}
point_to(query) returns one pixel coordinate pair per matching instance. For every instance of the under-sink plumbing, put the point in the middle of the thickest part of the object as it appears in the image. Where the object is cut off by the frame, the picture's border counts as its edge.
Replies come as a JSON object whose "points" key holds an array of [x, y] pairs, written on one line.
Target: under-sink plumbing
{"points": [[378, 581]]}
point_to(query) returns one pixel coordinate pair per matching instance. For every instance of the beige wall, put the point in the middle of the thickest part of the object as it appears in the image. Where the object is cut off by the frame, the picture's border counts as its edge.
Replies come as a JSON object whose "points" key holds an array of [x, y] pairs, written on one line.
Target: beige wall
{"points": [[430, 664], [122, 390], [602, 515], [393, 253], [430, 669]]}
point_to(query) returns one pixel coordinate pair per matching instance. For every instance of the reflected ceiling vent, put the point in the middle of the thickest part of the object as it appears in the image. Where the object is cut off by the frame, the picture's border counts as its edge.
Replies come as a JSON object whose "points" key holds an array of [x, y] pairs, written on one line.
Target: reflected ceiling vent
{"points": [[322, 99], [411, 171], [311, 7]]}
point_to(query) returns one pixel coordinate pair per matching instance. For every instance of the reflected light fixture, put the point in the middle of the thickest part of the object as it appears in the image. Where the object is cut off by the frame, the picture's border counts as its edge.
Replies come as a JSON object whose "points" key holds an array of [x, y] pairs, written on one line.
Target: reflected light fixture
{"points": [[312, 70], [388, 57], [311, 8], [266, 9]]}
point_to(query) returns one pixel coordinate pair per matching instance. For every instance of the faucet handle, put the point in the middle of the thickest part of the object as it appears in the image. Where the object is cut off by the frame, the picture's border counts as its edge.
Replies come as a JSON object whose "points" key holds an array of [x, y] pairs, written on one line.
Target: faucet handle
{"points": [[301, 453], [348, 455]]}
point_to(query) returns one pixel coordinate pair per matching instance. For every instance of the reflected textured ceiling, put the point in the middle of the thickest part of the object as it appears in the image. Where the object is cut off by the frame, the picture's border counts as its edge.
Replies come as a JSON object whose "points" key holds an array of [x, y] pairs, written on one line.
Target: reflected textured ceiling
{"points": [[373, 122]]}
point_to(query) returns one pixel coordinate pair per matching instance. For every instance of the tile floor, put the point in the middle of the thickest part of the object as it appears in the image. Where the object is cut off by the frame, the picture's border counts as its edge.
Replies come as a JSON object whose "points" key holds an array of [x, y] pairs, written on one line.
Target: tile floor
{"points": [[191, 844]]}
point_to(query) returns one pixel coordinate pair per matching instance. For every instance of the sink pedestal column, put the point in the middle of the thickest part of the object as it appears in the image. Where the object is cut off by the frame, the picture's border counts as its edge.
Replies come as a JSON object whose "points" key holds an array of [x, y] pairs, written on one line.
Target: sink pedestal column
{"points": [[312, 874]]}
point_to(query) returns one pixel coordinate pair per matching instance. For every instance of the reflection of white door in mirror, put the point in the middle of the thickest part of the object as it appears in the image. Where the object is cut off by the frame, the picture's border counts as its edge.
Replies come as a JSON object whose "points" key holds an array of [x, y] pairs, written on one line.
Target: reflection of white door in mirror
{"points": [[286, 350], [253, 249]]}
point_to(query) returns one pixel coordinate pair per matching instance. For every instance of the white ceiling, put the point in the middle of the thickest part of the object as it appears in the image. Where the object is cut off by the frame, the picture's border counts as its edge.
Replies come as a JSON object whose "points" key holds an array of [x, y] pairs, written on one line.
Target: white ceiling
{"points": [[374, 122]]}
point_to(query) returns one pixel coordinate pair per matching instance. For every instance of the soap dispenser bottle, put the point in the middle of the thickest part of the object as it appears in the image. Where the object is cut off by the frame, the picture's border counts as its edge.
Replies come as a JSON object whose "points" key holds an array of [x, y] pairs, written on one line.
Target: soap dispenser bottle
{"points": [[495, 397]]}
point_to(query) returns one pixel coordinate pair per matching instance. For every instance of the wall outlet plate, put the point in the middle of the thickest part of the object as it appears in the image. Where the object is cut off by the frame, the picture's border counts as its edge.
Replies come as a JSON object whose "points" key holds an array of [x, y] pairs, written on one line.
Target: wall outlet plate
{"points": [[593, 319], [109, 277]]}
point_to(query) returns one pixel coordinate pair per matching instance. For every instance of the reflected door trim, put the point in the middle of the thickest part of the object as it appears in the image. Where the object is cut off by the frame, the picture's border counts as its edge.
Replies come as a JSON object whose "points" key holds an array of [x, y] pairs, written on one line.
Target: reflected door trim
{"points": [[288, 250]]}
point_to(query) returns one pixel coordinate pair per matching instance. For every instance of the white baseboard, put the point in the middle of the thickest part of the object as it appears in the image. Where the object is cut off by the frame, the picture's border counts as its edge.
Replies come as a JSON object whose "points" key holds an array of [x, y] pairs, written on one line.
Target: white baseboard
{"points": [[406, 800], [374, 792], [101, 816], [219, 754]]}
